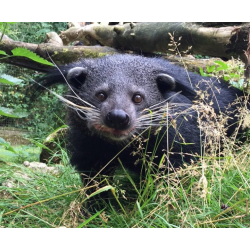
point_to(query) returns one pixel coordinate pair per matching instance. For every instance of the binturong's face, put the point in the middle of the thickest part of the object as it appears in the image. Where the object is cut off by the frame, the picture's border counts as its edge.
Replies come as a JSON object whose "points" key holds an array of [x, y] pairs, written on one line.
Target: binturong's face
{"points": [[121, 94]]}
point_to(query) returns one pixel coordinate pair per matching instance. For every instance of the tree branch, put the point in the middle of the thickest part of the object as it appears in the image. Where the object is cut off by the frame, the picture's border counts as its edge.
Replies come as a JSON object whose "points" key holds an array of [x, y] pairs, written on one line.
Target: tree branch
{"points": [[223, 42], [59, 54]]}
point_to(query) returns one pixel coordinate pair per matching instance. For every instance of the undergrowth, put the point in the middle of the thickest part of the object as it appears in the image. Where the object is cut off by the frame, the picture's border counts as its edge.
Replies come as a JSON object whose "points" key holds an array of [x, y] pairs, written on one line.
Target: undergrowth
{"points": [[215, 193], [30, 198]]}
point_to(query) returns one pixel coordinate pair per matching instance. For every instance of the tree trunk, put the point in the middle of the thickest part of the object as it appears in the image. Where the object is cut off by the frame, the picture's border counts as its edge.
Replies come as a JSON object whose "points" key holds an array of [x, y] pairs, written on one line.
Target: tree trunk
{"points": [[162, 38], [59, 54], [223, 42]]}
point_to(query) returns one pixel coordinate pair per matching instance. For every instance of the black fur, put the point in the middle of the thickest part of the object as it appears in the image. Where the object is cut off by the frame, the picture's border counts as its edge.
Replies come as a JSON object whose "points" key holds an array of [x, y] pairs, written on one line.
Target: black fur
{"points": [[120, 87]]}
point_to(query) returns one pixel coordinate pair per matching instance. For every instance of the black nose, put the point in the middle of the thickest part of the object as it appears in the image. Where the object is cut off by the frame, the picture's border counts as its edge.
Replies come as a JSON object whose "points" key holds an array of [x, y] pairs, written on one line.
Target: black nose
{"points": [[117, 119]]}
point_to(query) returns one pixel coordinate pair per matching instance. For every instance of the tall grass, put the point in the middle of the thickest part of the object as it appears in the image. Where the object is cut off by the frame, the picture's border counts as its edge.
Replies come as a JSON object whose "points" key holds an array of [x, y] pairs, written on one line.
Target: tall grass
{"points": [[213, 193]]}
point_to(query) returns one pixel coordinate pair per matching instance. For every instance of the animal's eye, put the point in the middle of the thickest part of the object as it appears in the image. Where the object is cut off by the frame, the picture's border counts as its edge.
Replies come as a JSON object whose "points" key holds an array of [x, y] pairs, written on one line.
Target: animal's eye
{"points": [[137, 98], [101, 96]]}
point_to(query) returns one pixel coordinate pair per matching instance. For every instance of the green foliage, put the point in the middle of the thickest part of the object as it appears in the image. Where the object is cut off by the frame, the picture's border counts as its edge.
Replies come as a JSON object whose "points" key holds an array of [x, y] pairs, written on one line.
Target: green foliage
{"points": [[17, 154], [40, 115], [200, 196], [6, 28], [6, 145], [232, 71], [46, 113], [10, 80], [18, 104], [12, 113], [23, 52], [29, 54], [34, 32], [3, 53], [201, 57], [15, 112], [30, 198]]}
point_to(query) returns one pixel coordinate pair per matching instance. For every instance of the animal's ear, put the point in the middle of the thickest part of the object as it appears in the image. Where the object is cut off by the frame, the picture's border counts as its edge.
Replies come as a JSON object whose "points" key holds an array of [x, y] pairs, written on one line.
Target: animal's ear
{"points": [[165, 82], [76, 76]]}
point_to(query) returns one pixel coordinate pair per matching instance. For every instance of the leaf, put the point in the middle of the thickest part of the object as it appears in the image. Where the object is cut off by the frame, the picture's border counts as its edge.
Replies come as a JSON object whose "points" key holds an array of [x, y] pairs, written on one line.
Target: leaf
{"points": [[210, 69], [233, 75], [2, 141], [3, 53], [12, 113], [6, 154], [201, 71], [7, 146], [241, 83], [222, 64], [10, 80], [40, 145], [139, 209], [11, 149], [100, 190], [31, 55], [90, 219]]}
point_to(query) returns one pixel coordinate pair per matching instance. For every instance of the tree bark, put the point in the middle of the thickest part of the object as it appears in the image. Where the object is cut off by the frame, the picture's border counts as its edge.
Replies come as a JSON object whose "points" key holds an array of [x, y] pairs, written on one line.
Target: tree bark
{"points": [[160, 38], [59, 54], [223, 42]]}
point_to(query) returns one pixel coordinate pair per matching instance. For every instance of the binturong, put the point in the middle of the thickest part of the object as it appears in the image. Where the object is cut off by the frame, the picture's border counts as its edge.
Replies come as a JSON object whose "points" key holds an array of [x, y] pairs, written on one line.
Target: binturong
{"points": [[119, 104]]}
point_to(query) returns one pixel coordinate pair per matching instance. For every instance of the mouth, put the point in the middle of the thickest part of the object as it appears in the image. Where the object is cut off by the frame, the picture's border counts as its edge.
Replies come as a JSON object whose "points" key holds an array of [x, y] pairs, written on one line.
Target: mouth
{"points": [[114, 134]]}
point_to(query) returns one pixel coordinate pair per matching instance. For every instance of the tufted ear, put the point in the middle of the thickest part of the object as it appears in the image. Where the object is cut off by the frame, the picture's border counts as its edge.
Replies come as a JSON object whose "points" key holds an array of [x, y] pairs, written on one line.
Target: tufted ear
{"points": [[76, 76], [165, 82]]}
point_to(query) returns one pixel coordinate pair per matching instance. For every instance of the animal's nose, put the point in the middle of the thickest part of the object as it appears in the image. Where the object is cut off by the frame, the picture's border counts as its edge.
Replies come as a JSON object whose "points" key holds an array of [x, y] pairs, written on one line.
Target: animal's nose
{"points": [[117, 119]]}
